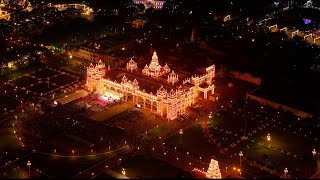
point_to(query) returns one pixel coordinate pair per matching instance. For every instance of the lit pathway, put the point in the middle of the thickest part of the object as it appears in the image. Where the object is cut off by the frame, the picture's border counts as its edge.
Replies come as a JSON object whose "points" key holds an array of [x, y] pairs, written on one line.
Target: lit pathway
{"points": [[116, 175], [103, 166], [88, 155]]}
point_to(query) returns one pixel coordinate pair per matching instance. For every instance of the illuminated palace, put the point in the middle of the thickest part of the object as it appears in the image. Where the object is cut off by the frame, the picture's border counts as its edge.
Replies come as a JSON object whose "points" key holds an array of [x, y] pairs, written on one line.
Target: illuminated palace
{"points": [[150, 3], [159, 87]]}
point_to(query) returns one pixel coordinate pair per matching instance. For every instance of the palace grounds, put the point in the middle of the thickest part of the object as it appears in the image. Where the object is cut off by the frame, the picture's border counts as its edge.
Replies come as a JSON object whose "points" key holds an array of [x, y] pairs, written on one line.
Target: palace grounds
{"points": [[39, 84], [7, 103], [148, 167], [54, 166], [193, 140], [291, 139]]}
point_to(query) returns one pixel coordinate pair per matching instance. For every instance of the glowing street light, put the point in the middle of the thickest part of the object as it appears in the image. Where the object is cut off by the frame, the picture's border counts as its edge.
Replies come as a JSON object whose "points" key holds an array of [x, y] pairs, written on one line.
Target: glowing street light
{"points": [[314, 152], [181, 132], [240, 155], [123, 172], [29, 164], [285, 172], [268, 137]]}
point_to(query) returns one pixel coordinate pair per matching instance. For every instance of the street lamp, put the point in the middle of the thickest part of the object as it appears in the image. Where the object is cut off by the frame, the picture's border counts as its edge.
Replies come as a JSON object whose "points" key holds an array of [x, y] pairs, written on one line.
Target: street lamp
{"points": [[285, 172], [314, 152], [123, 172], [29, 164], [48, 82], [240, 155], [181, 132], [268, 137]]}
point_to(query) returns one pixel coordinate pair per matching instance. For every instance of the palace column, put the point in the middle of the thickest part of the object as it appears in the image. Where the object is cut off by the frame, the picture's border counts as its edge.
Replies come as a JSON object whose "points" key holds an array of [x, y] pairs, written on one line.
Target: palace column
{"points": [[205, 94], [126, 94], [144, 103], [212, 90]]}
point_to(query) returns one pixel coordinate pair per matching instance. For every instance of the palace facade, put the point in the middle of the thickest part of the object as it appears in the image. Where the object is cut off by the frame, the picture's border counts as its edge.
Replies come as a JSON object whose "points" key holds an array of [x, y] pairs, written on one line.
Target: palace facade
{"points": [[167, 98]]}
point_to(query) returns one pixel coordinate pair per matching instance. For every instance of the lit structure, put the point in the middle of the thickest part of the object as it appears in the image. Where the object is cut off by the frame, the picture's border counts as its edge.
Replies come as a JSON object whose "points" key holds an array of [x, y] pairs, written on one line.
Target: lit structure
{"points": [[193, 35], [2, 3], [4, 15], [314, 152], [227, 18], [308, 4], [154, 69], [61, 7], [166, 103], [213, 171], [28, 8], [132, 65], [150, 3], [172, 78]]}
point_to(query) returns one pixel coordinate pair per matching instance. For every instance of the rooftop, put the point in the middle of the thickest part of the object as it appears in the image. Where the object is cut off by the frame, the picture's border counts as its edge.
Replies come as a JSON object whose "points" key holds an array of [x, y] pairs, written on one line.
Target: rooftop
{"points": [[149, 84]]}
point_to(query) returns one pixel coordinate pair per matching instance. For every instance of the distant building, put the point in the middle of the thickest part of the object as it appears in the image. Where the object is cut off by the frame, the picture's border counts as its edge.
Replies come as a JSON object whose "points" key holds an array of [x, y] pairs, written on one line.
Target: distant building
{"points": [[193, 36], [4, 15], [2, 3], [150, 3], [137, 23], [95, 52]]}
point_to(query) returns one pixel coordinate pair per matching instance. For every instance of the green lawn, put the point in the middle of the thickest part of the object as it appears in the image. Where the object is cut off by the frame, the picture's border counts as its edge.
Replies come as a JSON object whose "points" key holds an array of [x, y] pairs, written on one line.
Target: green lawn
{"points": [[8, 102], [9, 142], [288, 142], [156, 132], [55, 166], [194, 140], [114, 110], [231, 122], [147, 167]]}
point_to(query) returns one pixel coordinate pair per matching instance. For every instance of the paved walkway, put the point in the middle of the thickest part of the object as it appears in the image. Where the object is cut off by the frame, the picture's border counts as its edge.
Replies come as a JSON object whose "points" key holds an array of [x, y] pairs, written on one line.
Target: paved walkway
{"points": [[116, 175]]}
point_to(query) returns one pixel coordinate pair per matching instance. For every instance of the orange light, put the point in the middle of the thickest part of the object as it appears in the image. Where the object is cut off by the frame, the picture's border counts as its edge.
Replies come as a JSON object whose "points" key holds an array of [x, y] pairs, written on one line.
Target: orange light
{"points": [[234, 168]]}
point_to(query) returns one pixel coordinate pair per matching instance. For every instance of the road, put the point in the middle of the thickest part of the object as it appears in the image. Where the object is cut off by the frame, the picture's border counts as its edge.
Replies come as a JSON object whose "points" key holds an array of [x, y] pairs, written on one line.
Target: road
{"points": [[103, 166]]}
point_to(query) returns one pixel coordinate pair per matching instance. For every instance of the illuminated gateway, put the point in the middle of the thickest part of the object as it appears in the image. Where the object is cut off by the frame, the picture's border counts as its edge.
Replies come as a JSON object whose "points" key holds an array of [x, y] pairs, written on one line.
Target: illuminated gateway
{"points": [[168, 98]]}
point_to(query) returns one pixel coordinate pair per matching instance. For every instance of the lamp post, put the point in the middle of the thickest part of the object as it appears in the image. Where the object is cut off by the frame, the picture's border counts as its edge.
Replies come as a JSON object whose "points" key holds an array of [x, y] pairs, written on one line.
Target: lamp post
{"points": [[29, 164], [240, 155], [181, 132], [245, 126], [314, 152], [268, 137], [123, 172], [285, 172]]}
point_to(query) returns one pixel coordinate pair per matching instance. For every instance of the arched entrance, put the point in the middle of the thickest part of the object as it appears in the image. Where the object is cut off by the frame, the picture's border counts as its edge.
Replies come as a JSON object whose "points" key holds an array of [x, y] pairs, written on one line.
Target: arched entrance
{"points": [[94, 86]]}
